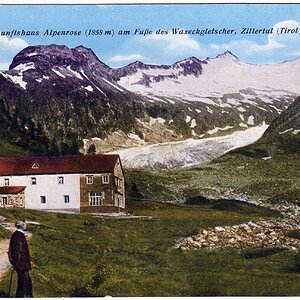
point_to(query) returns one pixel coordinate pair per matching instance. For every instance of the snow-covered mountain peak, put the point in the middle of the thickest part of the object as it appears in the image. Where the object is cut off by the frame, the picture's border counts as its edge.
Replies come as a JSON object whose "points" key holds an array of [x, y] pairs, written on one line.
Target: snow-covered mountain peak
{"points": [[189, 60], [228, 55]]}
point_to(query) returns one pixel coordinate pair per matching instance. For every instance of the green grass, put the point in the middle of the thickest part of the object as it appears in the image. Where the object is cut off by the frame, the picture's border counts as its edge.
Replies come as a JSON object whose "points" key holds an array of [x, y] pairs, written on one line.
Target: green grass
{"points": [[276, 178], [4, 234], [8, 149], [76, 255]]}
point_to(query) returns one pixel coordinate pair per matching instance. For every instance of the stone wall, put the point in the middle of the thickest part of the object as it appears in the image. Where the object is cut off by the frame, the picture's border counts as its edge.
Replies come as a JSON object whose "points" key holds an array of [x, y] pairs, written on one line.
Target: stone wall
{"points": [[13, 200]]}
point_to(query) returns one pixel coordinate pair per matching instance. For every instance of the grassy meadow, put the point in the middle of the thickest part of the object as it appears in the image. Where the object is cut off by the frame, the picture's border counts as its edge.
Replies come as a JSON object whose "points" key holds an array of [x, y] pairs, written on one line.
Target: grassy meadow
{"points": [[235, 174], [82, 255]]}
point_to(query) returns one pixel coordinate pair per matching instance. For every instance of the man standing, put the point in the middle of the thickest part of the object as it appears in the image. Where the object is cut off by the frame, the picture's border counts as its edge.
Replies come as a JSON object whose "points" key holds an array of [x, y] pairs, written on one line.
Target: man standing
{"points": [[19, 257]]}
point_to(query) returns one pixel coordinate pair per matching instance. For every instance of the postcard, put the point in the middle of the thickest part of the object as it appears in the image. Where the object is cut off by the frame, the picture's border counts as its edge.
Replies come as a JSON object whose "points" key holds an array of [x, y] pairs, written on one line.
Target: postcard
{"points": [[149, 150]]}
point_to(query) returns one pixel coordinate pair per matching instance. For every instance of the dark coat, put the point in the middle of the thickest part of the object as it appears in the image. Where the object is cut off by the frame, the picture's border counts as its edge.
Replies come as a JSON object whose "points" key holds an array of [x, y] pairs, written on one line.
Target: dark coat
{"points": [[18, 252]]}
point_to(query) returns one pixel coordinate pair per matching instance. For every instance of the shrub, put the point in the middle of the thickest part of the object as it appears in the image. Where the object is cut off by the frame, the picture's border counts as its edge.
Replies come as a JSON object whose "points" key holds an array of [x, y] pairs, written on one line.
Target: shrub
{"points": [[225, 204], [297, 263], [198, 200], [260, 252]]}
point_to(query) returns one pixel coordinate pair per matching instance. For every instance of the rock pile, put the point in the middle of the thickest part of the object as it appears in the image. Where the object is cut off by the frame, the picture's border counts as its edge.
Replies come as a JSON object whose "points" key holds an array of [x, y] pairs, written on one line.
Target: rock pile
{"points": [[270, 233], [251, 234]]}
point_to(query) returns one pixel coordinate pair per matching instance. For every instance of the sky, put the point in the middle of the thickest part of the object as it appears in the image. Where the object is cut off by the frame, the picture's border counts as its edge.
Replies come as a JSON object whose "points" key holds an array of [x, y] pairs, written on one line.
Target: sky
{"points": [[149, 36]]}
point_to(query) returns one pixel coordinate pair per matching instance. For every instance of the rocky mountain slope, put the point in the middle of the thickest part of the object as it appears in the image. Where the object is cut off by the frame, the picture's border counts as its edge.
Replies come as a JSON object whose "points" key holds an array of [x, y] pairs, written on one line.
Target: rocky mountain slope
{"points": [[282, 136], [64, 99]]}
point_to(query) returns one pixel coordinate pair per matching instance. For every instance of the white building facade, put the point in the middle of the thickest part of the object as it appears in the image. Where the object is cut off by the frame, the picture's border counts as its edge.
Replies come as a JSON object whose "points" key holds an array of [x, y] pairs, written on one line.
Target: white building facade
{"points": [[48, 191], [89, 184]]}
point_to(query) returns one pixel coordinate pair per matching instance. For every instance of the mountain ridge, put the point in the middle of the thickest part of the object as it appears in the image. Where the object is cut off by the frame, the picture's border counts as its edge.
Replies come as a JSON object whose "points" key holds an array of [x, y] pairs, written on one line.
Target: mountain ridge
{"points": [[97, 104]]}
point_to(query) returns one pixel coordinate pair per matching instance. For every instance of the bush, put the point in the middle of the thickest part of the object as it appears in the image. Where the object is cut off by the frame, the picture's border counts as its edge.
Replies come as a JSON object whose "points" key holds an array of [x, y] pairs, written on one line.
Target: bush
{"points": [[252, 153], [297, 263], [260, 252], [198, 200], [235, 205]]}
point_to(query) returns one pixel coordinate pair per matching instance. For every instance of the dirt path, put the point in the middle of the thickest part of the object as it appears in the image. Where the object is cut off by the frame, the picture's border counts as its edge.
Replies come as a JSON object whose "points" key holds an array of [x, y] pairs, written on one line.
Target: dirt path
{"points": [[4, 244], [4, 262]]}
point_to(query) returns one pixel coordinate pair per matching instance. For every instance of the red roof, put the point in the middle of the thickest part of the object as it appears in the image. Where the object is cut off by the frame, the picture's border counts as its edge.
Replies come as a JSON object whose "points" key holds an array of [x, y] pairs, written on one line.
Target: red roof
{"points": [[11, 189], [101, 163]]}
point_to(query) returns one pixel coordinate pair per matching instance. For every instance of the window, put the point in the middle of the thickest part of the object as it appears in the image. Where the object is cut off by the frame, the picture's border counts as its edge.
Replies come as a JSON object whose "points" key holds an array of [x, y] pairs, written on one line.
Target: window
{"points": [[60, 180], [35, 166], [105, 179], [89, 179], [67, 198], [33, 180], [43, 199], [4, 201], [95, 198], [6, 181], [118, 182]]}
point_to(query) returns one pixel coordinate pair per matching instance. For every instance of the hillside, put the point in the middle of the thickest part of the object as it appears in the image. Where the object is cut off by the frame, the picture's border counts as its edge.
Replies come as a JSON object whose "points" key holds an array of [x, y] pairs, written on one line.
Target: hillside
{"points": [[283, 133], [139, 103], [282, 137], [267, 171]]}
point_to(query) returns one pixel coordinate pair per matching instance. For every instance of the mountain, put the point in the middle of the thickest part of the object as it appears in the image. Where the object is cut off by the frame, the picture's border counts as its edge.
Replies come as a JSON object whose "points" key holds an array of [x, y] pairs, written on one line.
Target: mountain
{"points": [[69, 93], [283, 134], [212, 78], [58, 100]]}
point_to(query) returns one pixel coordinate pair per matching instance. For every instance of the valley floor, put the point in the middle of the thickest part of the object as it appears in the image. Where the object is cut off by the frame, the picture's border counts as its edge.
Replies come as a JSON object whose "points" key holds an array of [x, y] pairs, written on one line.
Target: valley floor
{"points": [[136, 257]]}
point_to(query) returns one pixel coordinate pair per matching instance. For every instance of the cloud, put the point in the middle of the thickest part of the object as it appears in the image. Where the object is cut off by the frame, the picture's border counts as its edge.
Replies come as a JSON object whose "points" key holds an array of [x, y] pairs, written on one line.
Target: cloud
{"points": [[14, 43], [177, 43], [280, 45], [276, 47], [8, 49], [125, 58]]}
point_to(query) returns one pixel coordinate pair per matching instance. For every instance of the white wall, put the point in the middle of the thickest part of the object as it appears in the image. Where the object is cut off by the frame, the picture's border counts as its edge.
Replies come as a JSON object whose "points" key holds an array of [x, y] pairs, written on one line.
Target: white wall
{"points": [[47, 185]]}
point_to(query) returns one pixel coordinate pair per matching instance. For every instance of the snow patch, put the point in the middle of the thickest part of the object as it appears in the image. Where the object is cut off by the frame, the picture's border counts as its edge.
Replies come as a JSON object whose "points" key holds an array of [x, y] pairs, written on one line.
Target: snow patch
{"points": [[241, 109], [113, 85], [135, 137], [171, 101], [215, 130], [267, 157], [250, 120], [24, 67], [209, 110], [82, 72], [32, 54], [296, 131], [96, 139], [193, 123], [75, 73], [285, 131], [156, 120], [88, 88], [232, 101], [188, 119], [58, 73], [18, 79]]}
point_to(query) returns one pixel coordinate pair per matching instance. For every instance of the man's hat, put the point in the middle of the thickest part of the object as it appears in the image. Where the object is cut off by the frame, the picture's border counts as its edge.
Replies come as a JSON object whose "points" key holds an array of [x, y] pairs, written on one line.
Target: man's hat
{"points": [[21, 225]]}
